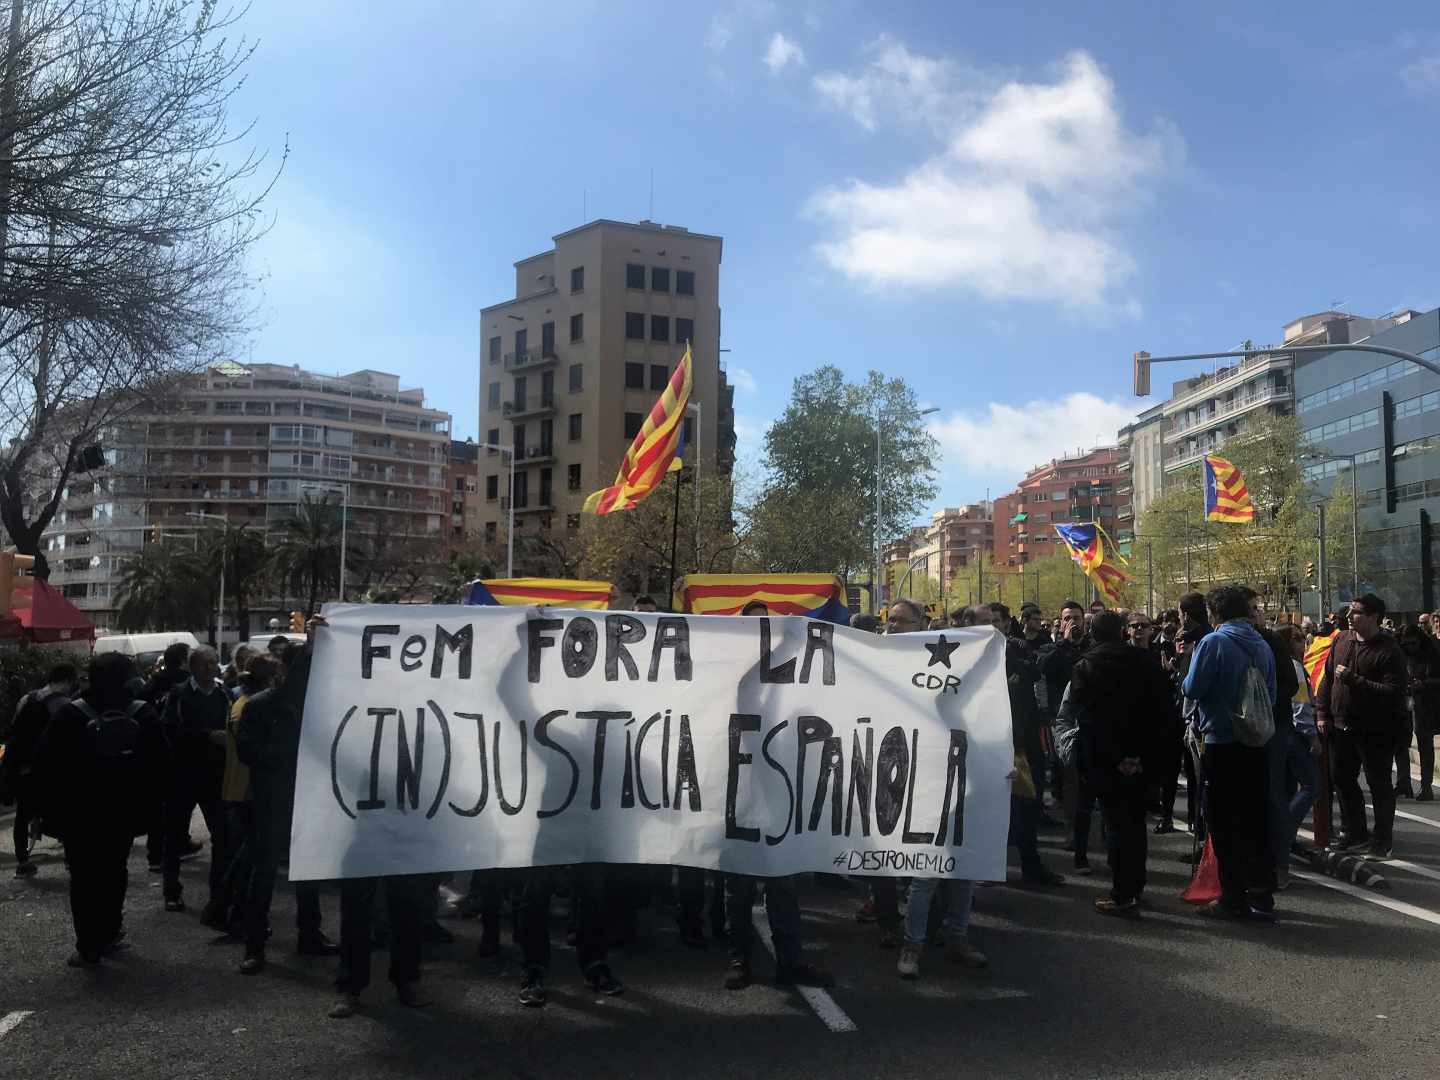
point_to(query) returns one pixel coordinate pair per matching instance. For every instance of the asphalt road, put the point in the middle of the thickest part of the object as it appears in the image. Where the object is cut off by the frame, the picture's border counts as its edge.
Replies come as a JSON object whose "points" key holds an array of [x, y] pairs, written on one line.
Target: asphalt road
{"points": [[1339, 986]]}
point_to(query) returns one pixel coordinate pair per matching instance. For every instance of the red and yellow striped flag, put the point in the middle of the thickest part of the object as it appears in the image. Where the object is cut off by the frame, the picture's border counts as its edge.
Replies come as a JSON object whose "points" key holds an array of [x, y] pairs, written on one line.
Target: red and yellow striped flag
{"points": [[653, 453], [1226, 496], [1316, 654]]}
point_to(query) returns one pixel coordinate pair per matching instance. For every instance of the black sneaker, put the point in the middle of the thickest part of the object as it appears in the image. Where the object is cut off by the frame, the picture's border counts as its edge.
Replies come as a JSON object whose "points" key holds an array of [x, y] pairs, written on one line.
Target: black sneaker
{"points": [[316, 944], [737, 976], [1042, 875], [532, 990], [1379, 852], [80, 960], [1355, 843], [1123, 909], [26, 869], [1426, 795], [803, 974], [602, 980]]}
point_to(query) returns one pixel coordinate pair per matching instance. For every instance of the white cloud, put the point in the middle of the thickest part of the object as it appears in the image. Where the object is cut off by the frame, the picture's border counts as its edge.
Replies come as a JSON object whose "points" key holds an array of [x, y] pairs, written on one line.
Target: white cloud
{"points": [[1011, 439], [734, 19], [895, 83], [742, 380], [1020, 200], [782, 52]]}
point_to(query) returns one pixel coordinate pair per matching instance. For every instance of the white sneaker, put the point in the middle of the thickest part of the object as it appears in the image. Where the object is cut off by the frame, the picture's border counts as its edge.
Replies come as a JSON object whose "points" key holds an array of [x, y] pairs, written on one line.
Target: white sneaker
{"points": [[909, 963]]}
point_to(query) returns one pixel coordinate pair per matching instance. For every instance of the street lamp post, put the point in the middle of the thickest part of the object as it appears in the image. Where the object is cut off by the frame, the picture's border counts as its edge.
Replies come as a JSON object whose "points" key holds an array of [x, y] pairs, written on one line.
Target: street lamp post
{"points": [[510, 503], [875, 576], [220, 607], [1354, 514]]}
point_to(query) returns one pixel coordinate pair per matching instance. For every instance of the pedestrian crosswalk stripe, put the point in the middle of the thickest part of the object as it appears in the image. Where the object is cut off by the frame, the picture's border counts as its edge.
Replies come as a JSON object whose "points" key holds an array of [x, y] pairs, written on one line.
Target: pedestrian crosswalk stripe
{"points": [[11, 1020]]}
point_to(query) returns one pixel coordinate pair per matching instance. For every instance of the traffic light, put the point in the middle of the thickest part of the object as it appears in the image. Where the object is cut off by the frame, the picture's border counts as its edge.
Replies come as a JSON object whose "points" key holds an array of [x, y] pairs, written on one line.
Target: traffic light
{"points": [[1142, 374], [1309, 571], [297, 622], [10, 565]]}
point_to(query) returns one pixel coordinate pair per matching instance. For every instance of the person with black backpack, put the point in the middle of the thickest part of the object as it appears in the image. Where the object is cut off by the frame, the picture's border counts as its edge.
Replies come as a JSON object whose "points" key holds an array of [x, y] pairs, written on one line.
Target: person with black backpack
{"points": [[32, 716], [99, 770], [173, 671]]}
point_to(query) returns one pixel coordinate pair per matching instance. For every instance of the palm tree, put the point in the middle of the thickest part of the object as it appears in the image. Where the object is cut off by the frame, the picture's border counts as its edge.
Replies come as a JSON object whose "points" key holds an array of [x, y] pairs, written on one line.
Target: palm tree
{"points": [[163, 588], [246, 566], [307, 555]]}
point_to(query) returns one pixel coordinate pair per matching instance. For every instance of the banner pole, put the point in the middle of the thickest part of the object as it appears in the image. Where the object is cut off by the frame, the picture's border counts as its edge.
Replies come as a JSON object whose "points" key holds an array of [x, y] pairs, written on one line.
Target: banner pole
{"points": [[674, 540]]}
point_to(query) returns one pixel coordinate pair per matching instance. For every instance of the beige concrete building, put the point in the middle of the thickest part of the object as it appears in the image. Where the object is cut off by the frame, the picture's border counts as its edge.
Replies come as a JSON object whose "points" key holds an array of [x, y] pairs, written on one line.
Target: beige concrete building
{"points": [[570, 366], [245, 443], [943, 549]]}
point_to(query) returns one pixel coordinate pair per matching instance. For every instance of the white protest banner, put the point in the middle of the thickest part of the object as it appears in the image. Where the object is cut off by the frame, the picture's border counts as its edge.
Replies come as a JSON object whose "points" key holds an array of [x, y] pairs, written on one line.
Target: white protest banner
{"points": [[455, 738]]}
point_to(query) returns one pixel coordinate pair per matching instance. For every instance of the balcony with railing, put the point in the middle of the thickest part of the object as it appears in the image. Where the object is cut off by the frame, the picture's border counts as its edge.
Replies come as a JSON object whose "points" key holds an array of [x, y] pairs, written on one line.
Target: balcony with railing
{"points": [[530, 358], [535, 454], [1239, 404], [527, 407]]}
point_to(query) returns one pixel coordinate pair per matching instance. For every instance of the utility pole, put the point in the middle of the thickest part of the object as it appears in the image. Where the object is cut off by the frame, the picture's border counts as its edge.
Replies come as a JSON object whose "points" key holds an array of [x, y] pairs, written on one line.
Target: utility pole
{"points": [[1150, 576], [1320, 561]]}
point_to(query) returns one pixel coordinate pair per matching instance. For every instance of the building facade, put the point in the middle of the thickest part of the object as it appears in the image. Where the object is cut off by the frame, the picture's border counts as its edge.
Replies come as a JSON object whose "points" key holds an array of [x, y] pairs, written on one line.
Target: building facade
{"points": [[1076, 488], [945, 548], [570, 367], [462, 482], [1143, 444], [1380, 417], [243, 444]]}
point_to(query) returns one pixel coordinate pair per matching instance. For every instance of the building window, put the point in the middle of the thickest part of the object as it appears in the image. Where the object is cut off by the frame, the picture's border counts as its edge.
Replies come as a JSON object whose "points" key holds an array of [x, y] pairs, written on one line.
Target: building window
{"points": [[577, 327], [572, 522], [633, 423], [659, 328], [685, 282], [572, 478], [684, 330], [634, 376], [547, 339], [545, 493], [659, 279], [492, 487], [577, 378], [522, 342], [575, 422], [659, 376], [494, 350], [635, 326], [522, 490], [490, 532], [577, 279], [634, 276], [493, 438], [492, 396]]}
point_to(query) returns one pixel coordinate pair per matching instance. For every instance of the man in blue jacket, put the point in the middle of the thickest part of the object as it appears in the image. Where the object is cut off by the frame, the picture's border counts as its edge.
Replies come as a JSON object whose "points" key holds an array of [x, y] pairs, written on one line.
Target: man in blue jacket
{"points": [[1234, 772]]}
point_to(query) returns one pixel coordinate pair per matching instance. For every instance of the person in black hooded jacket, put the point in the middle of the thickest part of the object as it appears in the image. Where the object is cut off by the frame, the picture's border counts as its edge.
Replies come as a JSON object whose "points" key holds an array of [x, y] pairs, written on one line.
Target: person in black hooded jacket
{"points": [[1120, 694]]}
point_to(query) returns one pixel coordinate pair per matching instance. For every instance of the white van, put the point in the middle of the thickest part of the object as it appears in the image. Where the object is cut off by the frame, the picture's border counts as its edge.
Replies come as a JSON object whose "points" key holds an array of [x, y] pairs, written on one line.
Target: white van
{"points": [[146, 649]]}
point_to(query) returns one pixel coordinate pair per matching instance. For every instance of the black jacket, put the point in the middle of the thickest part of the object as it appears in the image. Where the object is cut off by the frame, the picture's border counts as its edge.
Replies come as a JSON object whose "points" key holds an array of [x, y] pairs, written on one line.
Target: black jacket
{"points": [[1370, 697], [1021, 675], [1056, 662], [191, 718], [80, 793], [1286, 684], [1122, 699]]}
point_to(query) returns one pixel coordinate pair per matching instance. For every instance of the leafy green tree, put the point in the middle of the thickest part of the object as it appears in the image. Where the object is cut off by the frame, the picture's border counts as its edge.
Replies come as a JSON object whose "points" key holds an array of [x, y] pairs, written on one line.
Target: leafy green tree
{"points": [[163, 588], [816, 508], [306, 555]]}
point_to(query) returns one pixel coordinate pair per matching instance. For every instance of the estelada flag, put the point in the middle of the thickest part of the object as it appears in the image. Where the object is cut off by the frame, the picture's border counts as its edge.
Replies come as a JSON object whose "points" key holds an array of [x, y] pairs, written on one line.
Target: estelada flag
{"points": [[1087, 544], [655, 449], [556, 592], [1316, 654], [1226, 497], [818, 596]]}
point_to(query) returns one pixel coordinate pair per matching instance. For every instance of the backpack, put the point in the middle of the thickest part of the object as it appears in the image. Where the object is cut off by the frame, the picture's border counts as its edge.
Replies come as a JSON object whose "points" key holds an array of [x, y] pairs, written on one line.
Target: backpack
{"points": [[114, 735], [1255, 711]]}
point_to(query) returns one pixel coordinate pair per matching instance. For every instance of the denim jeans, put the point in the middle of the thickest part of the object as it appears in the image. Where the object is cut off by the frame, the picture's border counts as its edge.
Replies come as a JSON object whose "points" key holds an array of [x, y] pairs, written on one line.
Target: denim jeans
{"points": [[1302, 780], [960, 895]]}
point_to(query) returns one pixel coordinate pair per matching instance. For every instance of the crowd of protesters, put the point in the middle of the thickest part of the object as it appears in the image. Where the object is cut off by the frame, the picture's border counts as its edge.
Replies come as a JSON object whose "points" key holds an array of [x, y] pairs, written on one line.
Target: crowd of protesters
{"points": [[1108, 707]]}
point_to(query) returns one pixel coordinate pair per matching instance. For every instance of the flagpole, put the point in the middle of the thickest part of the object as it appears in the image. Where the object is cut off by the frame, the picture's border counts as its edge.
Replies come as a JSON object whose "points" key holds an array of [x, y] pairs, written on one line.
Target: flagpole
{"points": [[674, 540]]}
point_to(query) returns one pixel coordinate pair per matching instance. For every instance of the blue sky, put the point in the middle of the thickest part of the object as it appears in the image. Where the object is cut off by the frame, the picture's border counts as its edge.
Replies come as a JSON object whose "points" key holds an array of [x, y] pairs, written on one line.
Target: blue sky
{"points": [[999, 205]]}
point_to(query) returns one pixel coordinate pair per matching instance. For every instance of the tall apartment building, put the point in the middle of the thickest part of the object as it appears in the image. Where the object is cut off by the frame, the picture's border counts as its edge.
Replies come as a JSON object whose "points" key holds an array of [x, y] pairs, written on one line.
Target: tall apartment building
{"points": [[1143, 443], [462, 481], [943, 549], [570, 367], [245, 443], [1075, 488]]}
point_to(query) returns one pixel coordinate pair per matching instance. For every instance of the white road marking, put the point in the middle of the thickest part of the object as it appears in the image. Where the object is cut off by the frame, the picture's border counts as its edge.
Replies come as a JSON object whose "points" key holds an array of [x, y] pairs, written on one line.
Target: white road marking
{"points": [[1378, 899], [1411, 817], [1399, 864], [820, 1002], [10, 1021]]}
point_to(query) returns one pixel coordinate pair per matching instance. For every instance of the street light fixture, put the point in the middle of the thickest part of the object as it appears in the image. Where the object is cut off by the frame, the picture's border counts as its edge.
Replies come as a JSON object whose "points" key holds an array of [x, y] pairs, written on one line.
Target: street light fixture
{"points": [[220, 607], [878, 568]]}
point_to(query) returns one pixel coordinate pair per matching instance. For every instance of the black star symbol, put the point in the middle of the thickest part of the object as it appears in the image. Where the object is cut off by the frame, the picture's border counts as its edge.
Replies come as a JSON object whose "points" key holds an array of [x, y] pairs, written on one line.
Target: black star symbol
{"points": [[940, 651]]}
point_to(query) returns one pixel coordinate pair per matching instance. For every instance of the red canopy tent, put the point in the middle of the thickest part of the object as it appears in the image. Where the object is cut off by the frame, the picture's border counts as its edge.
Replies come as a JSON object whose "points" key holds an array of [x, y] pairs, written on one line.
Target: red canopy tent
{"points": [[46, 616]]}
